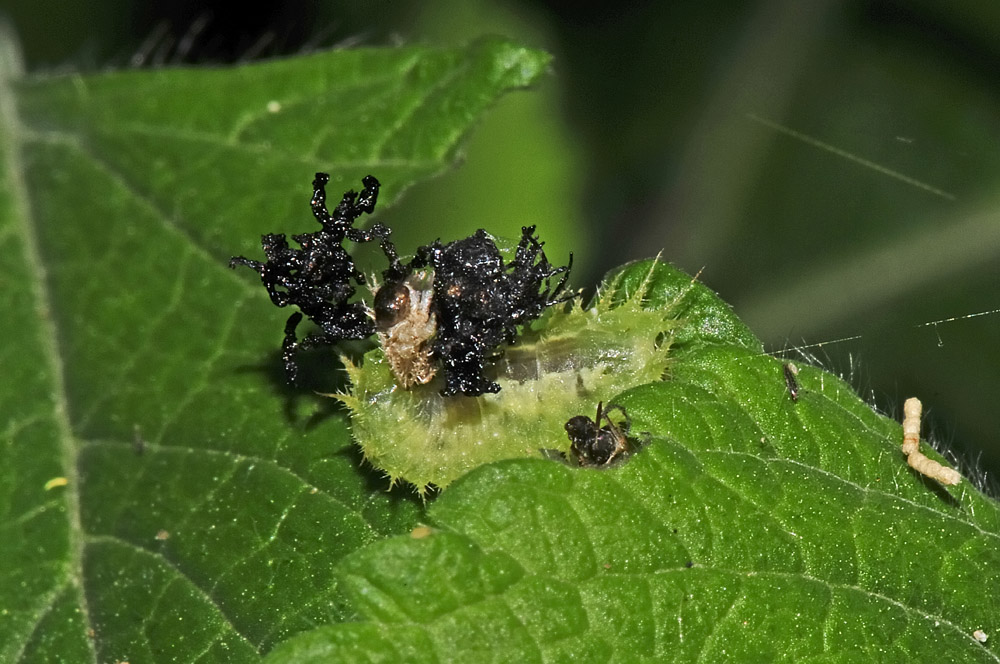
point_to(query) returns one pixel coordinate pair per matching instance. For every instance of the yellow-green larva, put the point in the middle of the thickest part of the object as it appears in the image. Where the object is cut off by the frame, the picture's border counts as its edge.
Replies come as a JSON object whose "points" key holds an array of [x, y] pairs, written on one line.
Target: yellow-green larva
{"points": [[573, 358]]}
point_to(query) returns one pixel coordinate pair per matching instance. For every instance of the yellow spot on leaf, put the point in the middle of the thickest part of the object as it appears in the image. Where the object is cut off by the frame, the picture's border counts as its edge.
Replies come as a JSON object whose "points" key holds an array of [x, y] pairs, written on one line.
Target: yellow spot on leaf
{"points": [[56, 481], [420, 532]]}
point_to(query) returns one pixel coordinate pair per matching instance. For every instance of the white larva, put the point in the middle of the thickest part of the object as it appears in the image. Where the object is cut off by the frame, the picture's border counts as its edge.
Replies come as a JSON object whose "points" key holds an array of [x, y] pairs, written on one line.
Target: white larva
{"points": [[912, 410]]}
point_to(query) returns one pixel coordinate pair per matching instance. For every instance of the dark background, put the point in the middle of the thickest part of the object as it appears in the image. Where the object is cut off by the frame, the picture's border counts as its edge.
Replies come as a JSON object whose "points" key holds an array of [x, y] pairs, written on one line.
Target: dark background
{"points": [[657, 131]]}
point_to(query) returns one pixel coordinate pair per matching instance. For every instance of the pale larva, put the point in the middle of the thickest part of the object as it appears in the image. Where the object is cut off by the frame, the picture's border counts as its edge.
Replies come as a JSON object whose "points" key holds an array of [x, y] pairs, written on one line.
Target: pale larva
{"points": [[911, 447]]}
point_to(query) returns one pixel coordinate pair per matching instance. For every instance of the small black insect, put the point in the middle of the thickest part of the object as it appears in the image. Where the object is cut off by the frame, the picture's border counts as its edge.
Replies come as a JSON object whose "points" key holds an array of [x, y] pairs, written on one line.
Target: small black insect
{"points": [[317, 278], [478, 302], [594, 445], [790, 382]]}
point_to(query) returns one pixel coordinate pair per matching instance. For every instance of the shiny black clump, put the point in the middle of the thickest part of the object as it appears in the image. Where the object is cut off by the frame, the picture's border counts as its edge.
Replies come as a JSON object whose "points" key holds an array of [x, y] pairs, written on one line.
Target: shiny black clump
{"points": [[317, 278], [479, 301]]}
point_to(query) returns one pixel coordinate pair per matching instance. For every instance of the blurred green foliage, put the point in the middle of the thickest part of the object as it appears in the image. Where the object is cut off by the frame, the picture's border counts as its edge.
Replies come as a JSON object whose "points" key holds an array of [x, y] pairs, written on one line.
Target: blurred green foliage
{"points": [[642, 140]]}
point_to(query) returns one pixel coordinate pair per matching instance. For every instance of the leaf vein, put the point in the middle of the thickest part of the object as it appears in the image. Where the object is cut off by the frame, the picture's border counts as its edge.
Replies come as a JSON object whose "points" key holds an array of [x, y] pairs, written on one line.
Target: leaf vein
{"points": [[140, 551]]}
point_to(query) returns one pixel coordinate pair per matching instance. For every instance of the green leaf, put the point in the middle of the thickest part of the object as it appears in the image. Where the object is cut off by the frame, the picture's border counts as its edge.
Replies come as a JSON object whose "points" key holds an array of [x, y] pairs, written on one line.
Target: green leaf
{"points": [[202, 506], [749, 527]]}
